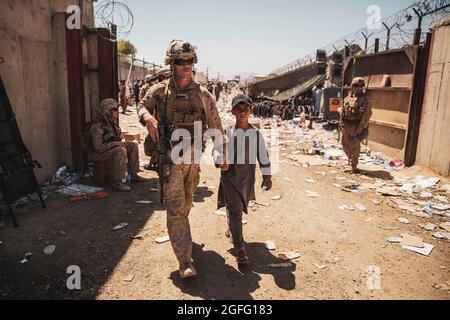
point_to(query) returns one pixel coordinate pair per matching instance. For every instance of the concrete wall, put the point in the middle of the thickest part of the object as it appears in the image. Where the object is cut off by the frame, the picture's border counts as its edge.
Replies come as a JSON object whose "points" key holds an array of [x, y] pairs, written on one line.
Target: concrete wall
{"points": [[137, 72], [434, 137], [33, 45]]}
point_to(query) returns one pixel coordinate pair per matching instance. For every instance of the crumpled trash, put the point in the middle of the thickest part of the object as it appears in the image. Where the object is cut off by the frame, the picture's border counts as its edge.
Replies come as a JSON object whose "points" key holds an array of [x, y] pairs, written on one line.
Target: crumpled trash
{"points": [[27, 256], [360, 207], [441, 207], [346, 207], [442, 235], [129, 278], [220, 213], [334, 154], [423, 183], [311, 194], [49, 250], [425, 195], [394, 239], [270, 245], [412, 241], [120, 226], [445, 226], [428, 227], [289, 255], [425, 251], [162, 239], [78, 190], [280, 265], [403, 220], [276, 198], [144, 202]]}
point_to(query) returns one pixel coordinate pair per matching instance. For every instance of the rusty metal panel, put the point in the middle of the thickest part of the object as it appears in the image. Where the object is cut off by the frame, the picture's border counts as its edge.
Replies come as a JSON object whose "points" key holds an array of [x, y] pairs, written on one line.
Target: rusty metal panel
{"points": [[75, 75], [106, 81]]}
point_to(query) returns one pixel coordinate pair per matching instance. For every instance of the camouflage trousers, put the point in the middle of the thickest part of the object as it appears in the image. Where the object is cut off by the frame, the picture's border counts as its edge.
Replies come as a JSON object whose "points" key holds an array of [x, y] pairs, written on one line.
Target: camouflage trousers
{"points": [[120, 155], [351, 144], [183, 181]]}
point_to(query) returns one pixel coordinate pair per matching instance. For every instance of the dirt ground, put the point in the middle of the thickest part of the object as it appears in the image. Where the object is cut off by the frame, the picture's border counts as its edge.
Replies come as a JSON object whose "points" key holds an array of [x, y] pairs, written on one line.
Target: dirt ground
{"points": [[346, 242]]}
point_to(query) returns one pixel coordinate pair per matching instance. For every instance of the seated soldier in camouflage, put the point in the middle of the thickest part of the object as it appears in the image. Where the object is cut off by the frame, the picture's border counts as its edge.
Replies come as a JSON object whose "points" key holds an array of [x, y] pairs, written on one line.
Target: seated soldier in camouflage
{"points": [[106, 144]]}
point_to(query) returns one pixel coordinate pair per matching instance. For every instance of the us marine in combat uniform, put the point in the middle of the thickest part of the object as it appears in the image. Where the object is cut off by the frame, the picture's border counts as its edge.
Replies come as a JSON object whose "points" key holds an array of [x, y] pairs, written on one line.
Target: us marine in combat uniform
{"points": [[355, 117], [105, 144], [178, 103], [145, 87]]}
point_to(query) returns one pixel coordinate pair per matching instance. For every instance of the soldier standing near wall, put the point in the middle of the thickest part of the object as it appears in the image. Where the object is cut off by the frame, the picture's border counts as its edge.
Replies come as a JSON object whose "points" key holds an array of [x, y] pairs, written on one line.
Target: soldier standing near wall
{"points": [[355, 116], [145, 87], [178, 103], [122, 96]]}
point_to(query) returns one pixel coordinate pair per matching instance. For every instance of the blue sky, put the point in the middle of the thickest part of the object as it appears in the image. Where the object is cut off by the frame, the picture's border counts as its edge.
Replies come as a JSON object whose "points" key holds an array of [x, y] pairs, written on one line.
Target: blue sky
{"points": [[248, 36]]}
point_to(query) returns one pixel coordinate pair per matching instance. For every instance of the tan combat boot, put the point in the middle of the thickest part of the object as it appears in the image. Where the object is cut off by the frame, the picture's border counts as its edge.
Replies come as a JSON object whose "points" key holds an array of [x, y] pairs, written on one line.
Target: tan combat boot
{"points": [[119, 185]]}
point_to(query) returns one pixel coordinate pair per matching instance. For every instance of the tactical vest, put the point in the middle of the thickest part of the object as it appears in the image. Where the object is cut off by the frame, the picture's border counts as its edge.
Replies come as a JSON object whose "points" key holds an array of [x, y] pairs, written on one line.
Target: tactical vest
{"points": [[183, 109], [111, 133], [354, 108]]}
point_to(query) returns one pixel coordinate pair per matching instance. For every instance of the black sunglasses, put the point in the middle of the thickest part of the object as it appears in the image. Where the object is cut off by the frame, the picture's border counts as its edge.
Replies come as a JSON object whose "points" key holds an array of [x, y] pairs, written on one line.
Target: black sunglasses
{"points": [[181, 62]]}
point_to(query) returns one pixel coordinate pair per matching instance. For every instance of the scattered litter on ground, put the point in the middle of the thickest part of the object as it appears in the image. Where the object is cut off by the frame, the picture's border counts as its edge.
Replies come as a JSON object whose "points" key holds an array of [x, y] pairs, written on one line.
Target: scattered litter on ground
{"points": [[138, 237], [288, 255], [360, 207], [394, 239], [321, 266], [445, 226], [412, 241], [441, 207], [162, 239], [376, 202], [403, 220], [129, 278], [120, 226], [428, 227], [280, 265], [244, 222], [389, 228], [78, 190], [220, 213], [442, 286], [442, 235], [346, 207], [374, 278], [276, 198], [311, 194], [27, 256], [92, 196], [309, 180], [425, 251], [270, 245], [390, 192], [49, 250], [263, 204]]}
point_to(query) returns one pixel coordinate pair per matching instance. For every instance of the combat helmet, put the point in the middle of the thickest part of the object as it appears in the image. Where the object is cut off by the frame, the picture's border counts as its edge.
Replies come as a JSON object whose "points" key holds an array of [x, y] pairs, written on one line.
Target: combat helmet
{"points": [[179, 49], [148, 78], [358, 81]]}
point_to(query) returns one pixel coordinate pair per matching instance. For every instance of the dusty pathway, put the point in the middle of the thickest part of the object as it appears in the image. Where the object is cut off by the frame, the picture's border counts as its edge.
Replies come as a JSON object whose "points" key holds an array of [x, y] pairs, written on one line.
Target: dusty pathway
{"points": [[336, 246]]}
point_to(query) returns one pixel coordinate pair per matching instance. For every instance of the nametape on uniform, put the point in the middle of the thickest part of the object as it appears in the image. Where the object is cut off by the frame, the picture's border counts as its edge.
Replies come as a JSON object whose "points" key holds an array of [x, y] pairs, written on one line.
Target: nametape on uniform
{"points": [[182, 96]]}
